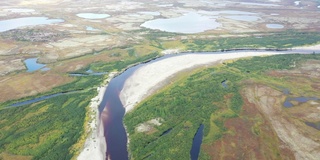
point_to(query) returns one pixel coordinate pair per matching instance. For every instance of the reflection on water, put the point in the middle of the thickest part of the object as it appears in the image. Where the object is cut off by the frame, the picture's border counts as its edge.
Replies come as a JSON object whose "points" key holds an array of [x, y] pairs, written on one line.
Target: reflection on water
{"points": [[188, 23], [33, 65], [9, 24]]}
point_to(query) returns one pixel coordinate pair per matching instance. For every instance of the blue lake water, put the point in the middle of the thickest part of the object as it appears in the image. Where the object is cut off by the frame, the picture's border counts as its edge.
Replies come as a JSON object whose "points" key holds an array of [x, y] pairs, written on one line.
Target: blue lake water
{"points": [[33, 65], [188, 24], [10, 24]]}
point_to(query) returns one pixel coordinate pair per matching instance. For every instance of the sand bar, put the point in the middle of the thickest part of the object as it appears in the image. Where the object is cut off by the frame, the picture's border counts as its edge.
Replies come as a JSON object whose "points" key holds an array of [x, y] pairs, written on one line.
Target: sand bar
{"points": [[95, 146], [149, 78]]}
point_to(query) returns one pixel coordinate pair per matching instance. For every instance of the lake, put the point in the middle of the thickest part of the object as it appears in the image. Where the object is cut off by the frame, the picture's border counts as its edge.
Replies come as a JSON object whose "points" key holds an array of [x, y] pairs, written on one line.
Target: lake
{"points": [[32, 65], [189, 23], [15, 23]]}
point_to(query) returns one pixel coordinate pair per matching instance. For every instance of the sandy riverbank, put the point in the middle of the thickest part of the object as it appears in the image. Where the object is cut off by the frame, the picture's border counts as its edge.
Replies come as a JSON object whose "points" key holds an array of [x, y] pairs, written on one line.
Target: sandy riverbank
{"points": [[151, 77], [95, 146]]}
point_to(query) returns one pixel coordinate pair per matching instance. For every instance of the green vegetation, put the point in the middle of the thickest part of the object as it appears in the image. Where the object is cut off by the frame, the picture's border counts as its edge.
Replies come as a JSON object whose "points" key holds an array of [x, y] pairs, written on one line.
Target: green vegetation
{"points": [[119, 65], [45, 130], [49, 129], [198, 99], [281, 40]]}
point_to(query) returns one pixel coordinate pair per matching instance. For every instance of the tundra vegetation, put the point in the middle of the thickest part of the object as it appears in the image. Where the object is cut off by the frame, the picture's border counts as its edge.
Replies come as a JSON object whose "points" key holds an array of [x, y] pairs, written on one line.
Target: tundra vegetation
{"points": [[233, 127], [29, 130], [55, 128]]}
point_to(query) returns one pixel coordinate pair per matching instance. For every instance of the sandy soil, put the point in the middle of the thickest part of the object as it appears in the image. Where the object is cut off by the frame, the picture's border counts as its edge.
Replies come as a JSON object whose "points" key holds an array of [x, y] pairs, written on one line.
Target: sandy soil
{"points": [[150, 78], [95, 146]]}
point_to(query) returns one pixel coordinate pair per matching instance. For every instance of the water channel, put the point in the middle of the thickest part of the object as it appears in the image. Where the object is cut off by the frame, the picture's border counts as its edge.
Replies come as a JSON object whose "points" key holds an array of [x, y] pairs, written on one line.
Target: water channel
{"points": [[112, 111]]}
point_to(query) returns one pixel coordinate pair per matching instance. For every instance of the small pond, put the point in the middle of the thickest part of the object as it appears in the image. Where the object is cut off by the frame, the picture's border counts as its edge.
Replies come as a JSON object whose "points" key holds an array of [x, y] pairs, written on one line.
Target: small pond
{"points": [[224, 84], [188, 23], [315, 125], [92, 15], [89, 28], [9, 24], [274, 26], [288, 104], [33, 65]]}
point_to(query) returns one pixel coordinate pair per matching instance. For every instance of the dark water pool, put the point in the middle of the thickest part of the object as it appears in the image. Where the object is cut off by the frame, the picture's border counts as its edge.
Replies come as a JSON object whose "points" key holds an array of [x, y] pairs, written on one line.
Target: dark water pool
{"points": [[288, 104], [196, 144]]}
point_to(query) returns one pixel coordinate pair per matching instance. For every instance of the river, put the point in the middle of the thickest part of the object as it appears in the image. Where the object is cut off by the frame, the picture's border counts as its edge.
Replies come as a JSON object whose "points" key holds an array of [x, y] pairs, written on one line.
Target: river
{"points": [[112, 110]]}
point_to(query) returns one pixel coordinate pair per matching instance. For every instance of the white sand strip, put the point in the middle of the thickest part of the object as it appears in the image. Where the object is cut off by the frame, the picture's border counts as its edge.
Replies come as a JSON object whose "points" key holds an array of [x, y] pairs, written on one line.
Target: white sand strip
{"points": [[95, 146], [151, 77]]}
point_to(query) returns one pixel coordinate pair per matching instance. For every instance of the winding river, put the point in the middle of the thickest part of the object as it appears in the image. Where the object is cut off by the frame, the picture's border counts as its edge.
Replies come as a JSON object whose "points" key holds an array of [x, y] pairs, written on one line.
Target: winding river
{"points": [[112, 110]]}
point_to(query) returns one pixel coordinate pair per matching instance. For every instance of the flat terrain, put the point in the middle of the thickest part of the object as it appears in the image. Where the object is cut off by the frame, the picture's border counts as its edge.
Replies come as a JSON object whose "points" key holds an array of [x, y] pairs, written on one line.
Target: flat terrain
{"points": [[78, 37]]}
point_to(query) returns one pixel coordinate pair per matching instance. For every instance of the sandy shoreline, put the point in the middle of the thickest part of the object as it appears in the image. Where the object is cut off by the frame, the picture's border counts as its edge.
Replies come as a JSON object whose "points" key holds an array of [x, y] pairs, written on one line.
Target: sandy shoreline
{"points": [[148, 79], [95, 146], [151, 77]]}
